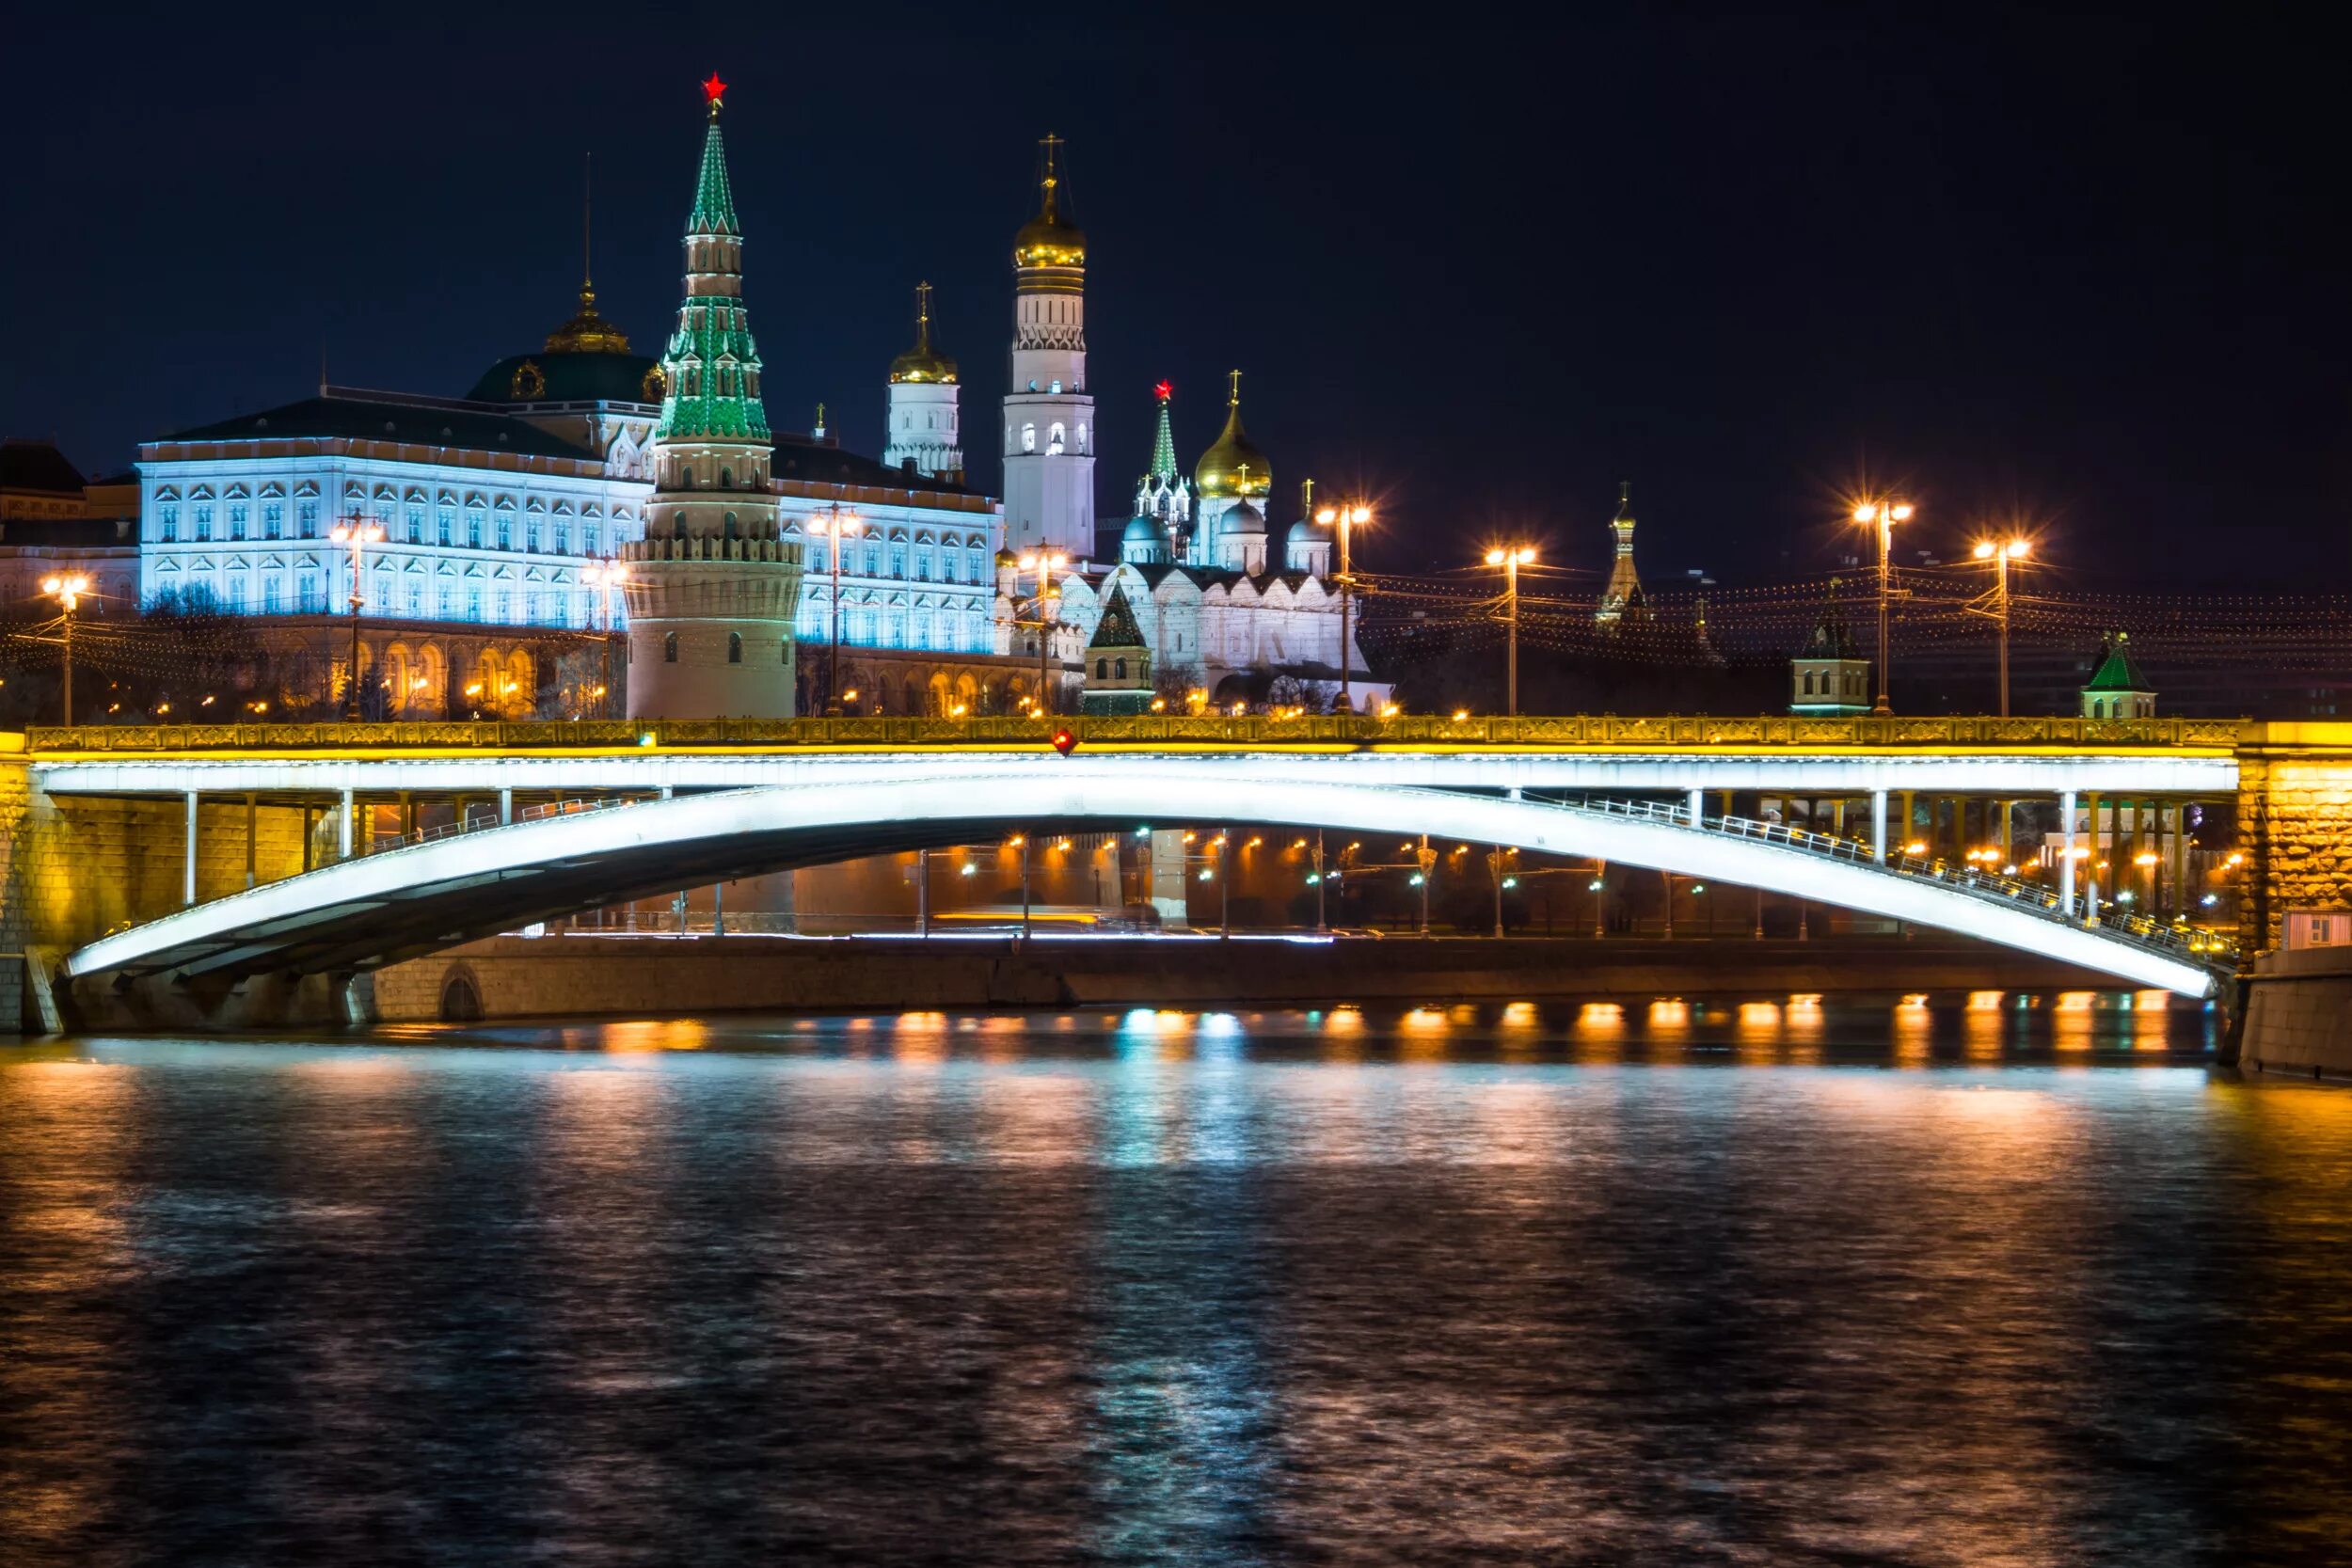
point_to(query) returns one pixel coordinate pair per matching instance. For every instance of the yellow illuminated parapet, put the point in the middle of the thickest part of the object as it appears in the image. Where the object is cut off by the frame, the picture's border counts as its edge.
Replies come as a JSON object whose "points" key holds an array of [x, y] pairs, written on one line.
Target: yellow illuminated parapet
{"points": [[1161, 732]]}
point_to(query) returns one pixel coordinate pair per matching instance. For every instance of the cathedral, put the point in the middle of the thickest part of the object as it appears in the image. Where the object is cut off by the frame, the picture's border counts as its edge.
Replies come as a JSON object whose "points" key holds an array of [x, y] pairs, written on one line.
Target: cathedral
{"points": [[583, 493]]}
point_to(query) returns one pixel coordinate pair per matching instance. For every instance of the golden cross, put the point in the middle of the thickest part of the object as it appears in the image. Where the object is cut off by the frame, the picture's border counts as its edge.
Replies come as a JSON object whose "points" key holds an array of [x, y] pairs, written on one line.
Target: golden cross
{"points": [[1234, 400]]}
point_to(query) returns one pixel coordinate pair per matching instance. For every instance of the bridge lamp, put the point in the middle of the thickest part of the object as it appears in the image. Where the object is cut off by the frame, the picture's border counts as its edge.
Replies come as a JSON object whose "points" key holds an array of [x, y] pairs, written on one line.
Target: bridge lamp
{"points": [[968, 869], [1697, 887], [67, 589], [1314, 876], [1595, 886], [1390, 710], [1511, 558], [1348, 519], [1414, 881], [2210, 899], [1509, 882], [2001, 552], [1460, 714], [1914, 847], [1882, 516], [1144, 831], [1208, 874]]}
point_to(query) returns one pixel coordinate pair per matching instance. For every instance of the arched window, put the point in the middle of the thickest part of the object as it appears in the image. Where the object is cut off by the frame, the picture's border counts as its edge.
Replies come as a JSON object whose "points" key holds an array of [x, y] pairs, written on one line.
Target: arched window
{"points": [[730, 525], [1054, 443], [1082, 435], [1119, 667], [669, 648], [1808, 683], [1028, 440], [735, 647], [1102, 669], [788, 653], [726, 478]]}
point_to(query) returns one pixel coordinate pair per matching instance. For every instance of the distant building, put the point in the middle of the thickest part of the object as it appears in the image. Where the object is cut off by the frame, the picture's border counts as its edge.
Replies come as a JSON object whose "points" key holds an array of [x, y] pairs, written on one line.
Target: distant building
{"points": [[2118, 689], [54, 522], [1118, 664], [1829, 675], [1622, 599]]}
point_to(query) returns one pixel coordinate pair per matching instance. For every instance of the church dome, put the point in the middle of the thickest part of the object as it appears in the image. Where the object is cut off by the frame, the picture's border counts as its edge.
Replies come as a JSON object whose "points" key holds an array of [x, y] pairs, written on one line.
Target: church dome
{"points": [[1047, 240], [1143, 531], [1242, 519], [923, 363], [1235, 466], [1307, 532]]}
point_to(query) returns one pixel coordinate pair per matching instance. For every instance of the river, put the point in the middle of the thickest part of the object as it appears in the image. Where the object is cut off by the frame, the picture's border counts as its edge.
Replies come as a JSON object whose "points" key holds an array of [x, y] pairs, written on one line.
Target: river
{"points": [[2000, 1280]]}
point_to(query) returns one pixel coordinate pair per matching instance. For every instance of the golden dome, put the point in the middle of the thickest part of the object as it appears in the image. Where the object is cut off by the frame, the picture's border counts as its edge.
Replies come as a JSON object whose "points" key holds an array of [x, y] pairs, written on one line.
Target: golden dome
{"points": [[1047, 240], [587, 332], [922, 362], [1233, 467]]}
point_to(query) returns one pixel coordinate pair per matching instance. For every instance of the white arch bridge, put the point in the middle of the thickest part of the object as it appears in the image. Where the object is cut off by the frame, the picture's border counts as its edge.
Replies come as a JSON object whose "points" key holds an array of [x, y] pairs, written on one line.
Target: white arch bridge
{"points": [[379, 908]]}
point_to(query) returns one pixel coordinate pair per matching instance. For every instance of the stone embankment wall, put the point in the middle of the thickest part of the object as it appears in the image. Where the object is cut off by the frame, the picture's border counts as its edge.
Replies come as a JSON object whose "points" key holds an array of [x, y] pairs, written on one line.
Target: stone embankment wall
{"points": [[2299, 1014], [2295, 824], [558, 975], [73, 868]]}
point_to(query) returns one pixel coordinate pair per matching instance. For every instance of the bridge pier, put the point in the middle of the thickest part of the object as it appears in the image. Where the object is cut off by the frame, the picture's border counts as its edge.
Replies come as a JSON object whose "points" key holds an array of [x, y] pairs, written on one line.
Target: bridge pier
{"points": [[1878, 826]]}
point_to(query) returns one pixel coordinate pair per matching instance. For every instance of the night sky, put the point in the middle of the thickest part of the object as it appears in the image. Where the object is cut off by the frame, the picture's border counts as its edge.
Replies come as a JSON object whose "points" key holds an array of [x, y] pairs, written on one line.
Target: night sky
{"points": [[2087, 269]]}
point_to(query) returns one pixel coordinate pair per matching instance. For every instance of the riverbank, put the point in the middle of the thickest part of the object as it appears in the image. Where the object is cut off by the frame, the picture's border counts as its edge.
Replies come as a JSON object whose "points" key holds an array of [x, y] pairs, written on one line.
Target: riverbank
{"points": [[2299, 1014]]}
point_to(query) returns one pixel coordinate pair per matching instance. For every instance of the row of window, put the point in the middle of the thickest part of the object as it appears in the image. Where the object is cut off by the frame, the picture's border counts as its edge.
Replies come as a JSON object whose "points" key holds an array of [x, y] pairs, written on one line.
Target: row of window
{"points": [[1055, 435], [867, 559], [873, 626], [539, 535]]}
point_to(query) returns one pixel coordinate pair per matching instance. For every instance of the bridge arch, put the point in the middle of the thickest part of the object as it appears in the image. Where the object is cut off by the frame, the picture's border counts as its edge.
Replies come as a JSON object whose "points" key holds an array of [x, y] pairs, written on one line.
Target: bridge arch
{"points": [[384, 908]]}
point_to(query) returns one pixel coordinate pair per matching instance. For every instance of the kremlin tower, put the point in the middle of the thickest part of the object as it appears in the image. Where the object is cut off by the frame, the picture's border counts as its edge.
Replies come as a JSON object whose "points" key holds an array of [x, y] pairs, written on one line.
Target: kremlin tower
{"points": [[1049, 414], [712, 588], [923, 425]]}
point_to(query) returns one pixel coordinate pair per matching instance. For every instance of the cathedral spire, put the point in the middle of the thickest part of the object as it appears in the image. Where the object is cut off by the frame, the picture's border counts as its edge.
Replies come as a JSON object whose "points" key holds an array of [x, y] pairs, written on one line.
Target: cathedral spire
{"points": [[714, 202], [1623, 597], [1164, 439]]}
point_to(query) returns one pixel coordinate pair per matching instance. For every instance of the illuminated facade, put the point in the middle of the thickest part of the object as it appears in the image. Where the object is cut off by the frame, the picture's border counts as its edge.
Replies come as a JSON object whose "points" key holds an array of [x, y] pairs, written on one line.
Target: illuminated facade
{"points": [[1049, 414]]}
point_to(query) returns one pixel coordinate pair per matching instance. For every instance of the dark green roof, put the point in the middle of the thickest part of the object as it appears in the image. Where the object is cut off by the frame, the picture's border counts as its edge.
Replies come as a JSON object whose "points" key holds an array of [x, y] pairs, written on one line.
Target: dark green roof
{"points": [[2119, 671], [421, 423], [1116, 628], [576, 377]]}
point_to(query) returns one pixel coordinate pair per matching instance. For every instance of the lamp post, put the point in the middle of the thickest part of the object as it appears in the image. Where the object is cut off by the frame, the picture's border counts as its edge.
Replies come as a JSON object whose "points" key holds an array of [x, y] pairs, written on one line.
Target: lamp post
{"points": [[68, 590], [2001, 552], [1044, 566], [606, 575], [1346, 518], [1511, 558], [833, 527], [1884, 515], [359, 533]]}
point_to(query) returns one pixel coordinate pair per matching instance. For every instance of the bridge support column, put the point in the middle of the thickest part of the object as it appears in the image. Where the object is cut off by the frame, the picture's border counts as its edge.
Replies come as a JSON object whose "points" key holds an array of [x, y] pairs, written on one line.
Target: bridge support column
{"points": [[2066, 853], [249, 838], [1903, 832], [188, 862], [1878, 826], [2091, 867], [1698, 807], [347, 808], [506, 808]]}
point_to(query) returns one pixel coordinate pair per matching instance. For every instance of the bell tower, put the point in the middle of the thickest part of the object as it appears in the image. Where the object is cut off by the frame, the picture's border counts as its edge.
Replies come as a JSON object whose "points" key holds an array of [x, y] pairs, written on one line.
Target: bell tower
{"points": [[1049, 414], [712, 588]]}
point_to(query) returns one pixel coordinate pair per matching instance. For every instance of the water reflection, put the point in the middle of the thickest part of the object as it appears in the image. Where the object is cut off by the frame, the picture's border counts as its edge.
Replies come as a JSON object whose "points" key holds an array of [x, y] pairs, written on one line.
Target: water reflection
{"points": [[1616, 1282]]}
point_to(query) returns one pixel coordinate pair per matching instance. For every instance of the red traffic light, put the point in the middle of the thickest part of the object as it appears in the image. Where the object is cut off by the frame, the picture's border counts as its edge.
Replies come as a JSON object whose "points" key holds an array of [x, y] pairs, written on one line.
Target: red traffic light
{"points": [[1065, 742]]}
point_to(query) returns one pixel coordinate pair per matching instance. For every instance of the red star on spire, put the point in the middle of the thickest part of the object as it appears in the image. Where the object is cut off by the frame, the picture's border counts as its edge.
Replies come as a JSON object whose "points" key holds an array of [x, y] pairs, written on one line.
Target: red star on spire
{"points": [[712, 89], [1166, 389]]}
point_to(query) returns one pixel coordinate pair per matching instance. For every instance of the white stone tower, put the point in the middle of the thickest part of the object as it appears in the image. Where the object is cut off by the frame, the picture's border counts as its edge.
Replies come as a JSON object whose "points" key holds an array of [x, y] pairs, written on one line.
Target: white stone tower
{"points": [[1049, 415], [925, 427], [711, 587]]}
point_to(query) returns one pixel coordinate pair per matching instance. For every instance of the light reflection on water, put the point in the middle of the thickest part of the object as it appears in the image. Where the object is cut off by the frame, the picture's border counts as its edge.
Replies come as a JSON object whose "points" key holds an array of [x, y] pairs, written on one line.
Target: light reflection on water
{"points": [[2000, 1278]]}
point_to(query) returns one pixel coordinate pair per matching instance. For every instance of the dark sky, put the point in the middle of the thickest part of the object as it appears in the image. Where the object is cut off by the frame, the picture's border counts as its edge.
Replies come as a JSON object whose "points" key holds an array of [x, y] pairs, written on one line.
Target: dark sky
{"points": [[2086, 267]]}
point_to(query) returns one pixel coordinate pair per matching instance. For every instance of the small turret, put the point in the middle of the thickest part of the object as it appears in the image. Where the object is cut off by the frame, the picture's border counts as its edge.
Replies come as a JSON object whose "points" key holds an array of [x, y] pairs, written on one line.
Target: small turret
{"points": [[924, 423], [1117, 663], [2118, 689], [1829, 675]]}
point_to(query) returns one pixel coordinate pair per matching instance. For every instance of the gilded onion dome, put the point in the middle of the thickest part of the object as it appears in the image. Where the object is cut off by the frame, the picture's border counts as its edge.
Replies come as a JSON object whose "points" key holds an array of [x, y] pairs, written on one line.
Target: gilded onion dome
{"points": [[1049, 240], [1233, 467], [922, 362], [587, 332]]}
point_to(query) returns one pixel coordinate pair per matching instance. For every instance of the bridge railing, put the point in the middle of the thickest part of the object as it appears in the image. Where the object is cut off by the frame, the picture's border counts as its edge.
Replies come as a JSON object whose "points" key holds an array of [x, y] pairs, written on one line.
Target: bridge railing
{"points": [[2182, 941], [1763, 732]]}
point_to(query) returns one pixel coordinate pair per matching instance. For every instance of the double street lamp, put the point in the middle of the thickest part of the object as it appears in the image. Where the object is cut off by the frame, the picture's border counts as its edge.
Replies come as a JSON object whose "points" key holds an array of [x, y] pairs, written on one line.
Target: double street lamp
{"points": [[1048, 592], [1511, 558], [605, 577], [833, 527], [1884, 515], [1346, 518], [68, 590], [2001, 552], [359, 533]]}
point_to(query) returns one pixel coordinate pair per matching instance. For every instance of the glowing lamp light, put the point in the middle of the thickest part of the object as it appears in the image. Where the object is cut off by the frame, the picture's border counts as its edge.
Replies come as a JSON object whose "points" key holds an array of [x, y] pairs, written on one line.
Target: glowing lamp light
{"points": [[1207, 875], [1509, 882], [1594, 887], [1065, 742], [1415, 880], [968, 869]]}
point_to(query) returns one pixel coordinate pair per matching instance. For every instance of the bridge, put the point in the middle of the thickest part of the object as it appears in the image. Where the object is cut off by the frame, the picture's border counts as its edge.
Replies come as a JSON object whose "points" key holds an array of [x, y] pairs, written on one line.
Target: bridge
{"points": [[189, 855]]}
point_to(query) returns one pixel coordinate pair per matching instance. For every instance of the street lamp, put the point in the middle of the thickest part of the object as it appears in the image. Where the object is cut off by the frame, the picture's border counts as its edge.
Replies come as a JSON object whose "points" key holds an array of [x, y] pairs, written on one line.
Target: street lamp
{"points": [[359, 534], [835, 526], [1044, 566], [1884, 515], [2001, 552], [68, 592], [606, 575], [1511, 558], [1347, 519]]}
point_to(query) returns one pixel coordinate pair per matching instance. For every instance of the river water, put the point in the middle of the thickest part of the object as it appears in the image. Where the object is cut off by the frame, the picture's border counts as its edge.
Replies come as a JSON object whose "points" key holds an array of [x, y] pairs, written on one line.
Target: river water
{"points": [[2002, 1280]]}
